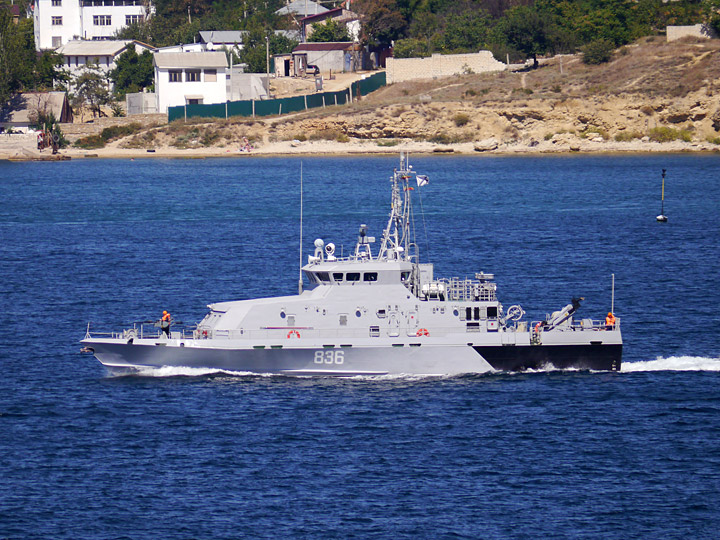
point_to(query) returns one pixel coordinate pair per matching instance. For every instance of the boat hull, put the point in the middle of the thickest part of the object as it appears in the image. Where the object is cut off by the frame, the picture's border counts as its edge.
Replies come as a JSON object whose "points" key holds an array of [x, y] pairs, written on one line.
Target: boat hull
{"points": [[428, 359]]}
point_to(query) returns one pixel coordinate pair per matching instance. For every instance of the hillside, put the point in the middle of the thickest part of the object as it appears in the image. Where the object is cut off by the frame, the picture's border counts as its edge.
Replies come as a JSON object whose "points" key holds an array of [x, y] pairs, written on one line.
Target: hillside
{"points": [[651, 92]]}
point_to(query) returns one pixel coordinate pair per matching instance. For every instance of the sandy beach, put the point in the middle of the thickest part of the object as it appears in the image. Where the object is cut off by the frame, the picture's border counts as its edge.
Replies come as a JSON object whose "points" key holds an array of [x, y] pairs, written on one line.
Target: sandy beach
{"points": [[311, 148]]}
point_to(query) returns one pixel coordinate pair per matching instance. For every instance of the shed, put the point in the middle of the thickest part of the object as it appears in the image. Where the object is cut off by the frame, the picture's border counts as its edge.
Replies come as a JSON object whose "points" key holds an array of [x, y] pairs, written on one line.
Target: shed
{"points": [[341, 56], [22, 109]]}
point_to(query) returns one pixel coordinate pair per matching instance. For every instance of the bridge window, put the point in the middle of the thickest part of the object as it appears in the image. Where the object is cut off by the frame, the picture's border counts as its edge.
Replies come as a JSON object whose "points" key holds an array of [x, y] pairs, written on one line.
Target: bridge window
{"points": [[404, 276], [370, 276], [338, 276], [323, 276], [353, 276], [492, 312]]}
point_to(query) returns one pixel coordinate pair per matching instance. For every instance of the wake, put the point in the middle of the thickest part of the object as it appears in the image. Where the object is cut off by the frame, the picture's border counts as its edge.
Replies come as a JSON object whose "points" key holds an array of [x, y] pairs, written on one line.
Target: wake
{"points": [[674, 363]]}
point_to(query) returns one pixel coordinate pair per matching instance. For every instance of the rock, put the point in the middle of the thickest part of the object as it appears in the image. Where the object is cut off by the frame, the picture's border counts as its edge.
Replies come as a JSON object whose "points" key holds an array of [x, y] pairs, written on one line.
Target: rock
{"points": [[574, 148], [425, 98], [443, 150], [487, 145], [597, 139], [677, 118], [645, 139]]}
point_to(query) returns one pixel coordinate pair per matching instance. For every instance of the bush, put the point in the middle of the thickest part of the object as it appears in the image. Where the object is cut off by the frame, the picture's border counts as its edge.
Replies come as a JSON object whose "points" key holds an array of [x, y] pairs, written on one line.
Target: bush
{"points": [[91, 142], [667, 134], [411, 48], [713, 140], [388, 142], [117, 132], [626, 136], [598, 51], [461, 119]]}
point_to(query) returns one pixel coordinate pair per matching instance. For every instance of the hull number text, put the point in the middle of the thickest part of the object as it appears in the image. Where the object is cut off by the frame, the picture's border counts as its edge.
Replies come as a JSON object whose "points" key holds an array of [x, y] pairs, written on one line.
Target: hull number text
{"points": [[329, 357]]}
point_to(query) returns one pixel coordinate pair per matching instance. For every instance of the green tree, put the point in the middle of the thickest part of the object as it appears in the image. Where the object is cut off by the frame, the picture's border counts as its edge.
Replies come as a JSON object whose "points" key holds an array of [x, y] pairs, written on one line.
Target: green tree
{"points": [[132, 72], [328, 32], [527, 31], [254, 51], [91, 89], [411, 48], [383, 22], [17, 55], [49, 72]]}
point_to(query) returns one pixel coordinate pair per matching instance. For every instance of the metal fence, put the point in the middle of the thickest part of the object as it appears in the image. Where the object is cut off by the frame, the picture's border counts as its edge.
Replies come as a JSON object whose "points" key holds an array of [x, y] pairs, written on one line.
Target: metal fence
{"points": [[278, 106]]}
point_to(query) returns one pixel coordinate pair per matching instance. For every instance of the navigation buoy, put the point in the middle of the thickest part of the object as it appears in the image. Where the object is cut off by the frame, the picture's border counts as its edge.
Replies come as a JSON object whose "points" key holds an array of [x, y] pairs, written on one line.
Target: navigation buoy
{"points": [[662, 218]]}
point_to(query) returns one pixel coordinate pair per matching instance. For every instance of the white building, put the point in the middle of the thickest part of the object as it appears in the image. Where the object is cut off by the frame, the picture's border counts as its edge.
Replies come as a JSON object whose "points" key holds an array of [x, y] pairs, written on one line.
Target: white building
{"points": [[102, 53], [60, 21], [190, 78]]}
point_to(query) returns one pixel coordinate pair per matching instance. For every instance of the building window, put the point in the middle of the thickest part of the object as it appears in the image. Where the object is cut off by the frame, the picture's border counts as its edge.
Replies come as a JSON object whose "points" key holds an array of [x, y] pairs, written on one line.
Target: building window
{"points": [[56, 42], [102, 20], [133, 19], [211, 75], [56, 21], [175, 75], [192, 75], [57, 3]]}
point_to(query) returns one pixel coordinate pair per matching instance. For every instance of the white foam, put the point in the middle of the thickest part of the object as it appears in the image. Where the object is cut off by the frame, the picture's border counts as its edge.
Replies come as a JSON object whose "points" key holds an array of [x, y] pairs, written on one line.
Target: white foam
{"points": [[173, 371], [674, 363]]}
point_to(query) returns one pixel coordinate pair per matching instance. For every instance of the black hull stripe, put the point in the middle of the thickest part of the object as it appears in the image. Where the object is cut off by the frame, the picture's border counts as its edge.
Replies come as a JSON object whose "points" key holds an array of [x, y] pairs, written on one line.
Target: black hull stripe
{"points": [[522, 357]]}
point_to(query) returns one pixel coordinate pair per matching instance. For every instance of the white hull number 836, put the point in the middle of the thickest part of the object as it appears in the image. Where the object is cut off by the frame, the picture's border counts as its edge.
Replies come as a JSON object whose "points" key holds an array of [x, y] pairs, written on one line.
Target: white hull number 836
{"points": [[329, 357]]}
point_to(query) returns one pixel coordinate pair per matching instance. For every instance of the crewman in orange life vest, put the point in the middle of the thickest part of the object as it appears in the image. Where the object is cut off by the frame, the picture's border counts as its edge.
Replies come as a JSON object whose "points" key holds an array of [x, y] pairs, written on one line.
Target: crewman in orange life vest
{"points": [[610, 321], [165, 323]]}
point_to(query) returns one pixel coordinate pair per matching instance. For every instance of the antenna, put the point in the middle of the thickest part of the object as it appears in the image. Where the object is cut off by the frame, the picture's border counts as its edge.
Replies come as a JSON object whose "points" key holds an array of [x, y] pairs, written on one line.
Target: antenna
{"points": [[300, 288], [612, 297]]}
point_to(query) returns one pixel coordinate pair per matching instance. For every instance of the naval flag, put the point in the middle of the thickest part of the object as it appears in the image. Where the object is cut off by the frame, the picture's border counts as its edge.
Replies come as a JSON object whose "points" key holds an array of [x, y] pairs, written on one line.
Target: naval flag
{"points": [[422, 180]]}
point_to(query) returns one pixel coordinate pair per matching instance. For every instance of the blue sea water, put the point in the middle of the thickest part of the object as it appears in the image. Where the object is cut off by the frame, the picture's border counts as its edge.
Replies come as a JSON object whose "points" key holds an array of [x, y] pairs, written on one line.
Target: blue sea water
{"points": [[181, 454]]}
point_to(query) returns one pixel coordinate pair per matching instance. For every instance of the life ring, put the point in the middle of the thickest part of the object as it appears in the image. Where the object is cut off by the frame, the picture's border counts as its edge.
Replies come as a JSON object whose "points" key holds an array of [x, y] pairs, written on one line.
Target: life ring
{"points": [[295, 332], [422, 332], [538, 327]]}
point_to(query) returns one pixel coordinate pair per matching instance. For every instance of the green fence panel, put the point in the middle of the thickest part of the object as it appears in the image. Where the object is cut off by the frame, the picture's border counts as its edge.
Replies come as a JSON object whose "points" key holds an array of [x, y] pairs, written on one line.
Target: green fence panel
{"points": [[214, 110], [293, 104], [176, 113], [372, 83], [267, 108], [314, 100], [277, 106], [240, 108]]}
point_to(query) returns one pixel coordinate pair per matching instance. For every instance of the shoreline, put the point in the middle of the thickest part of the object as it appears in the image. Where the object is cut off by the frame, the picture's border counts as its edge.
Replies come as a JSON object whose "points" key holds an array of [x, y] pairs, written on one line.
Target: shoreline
{"points": [[371, 147]]}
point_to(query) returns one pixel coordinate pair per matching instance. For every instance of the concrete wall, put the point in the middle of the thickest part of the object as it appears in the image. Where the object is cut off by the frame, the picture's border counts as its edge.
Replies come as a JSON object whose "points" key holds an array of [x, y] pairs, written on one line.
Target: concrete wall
{"points": [[10, 144], [141, 103], [243, 86], [696, 30], [440, 65]]}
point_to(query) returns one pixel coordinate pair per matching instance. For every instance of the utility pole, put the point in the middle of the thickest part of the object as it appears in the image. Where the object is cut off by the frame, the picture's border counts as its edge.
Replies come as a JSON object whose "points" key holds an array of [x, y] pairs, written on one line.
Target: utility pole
{"points": [[189, 18], [267, 66]]}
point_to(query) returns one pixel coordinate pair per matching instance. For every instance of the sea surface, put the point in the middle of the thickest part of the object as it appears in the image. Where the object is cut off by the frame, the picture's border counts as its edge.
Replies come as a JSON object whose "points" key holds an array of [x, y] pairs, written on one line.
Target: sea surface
{"points": [[185, 454]]}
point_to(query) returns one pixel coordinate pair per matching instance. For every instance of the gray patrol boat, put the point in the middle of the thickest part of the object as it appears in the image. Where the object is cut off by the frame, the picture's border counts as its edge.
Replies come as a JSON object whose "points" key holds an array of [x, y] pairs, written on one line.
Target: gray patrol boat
{"points": [[382, 313]]}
